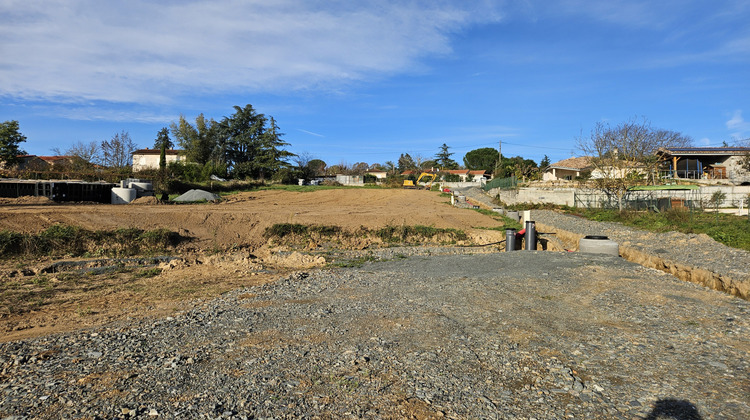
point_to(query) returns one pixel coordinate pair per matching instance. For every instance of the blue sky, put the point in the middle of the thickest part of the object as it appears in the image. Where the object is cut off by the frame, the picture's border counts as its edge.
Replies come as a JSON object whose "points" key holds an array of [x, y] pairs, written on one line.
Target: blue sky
{"points": [[355, 81]]}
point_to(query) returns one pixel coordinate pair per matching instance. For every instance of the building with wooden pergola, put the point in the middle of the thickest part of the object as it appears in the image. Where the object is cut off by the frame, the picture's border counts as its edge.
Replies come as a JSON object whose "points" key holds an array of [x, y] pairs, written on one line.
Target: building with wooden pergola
{"points": [[704, 163]]}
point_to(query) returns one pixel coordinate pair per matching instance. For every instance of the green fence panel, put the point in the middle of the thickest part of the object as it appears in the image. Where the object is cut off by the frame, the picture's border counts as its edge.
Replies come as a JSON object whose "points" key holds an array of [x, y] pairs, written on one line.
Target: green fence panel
{"points": [[504, 183]]}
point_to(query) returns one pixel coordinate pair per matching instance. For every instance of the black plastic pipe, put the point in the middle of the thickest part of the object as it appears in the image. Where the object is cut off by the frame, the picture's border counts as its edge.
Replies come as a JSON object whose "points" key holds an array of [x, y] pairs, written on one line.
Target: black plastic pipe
{"points": [[530, 237], [510, 240]]}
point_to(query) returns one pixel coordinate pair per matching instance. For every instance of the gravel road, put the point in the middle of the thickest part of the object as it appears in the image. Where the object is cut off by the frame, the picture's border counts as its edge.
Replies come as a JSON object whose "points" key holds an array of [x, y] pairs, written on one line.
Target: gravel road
{"points": [[524, 335]]}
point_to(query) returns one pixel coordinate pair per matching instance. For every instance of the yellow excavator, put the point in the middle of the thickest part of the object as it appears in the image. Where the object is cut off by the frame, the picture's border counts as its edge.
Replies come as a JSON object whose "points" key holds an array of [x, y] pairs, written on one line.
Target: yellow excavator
{"points": [[426, 176]]}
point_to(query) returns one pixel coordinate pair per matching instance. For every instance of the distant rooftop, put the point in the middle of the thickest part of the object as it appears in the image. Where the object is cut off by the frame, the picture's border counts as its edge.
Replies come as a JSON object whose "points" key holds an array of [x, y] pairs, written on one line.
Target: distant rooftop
{"points": [[576, 163], [704, 150]]}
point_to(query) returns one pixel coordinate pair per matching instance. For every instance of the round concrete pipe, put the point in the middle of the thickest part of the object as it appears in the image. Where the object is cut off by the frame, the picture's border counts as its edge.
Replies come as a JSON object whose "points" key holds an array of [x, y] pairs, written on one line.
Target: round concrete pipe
{"points": [[595, 244], [141, 186], [123, 195], [510, 240], [530, 236]]}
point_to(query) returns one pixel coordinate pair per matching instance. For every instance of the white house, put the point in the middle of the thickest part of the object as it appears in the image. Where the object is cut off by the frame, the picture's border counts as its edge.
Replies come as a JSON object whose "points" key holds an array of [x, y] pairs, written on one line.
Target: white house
{"points": [[478, 176], [149, 158], [567, 169], [380, 175]]}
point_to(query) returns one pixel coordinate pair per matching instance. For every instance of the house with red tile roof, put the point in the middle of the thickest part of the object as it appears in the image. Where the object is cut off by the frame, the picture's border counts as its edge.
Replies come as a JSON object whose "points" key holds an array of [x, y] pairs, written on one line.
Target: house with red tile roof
{"points": [[567, 169]]}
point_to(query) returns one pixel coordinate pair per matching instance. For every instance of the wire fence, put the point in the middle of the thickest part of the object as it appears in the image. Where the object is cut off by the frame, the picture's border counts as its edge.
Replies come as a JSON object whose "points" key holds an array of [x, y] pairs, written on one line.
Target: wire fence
{"points": [[659, 200], [502, 183]]}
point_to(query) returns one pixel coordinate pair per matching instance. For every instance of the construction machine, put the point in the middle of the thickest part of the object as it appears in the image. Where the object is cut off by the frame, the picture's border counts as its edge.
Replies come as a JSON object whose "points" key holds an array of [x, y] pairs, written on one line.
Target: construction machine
{"points": [[428, 177]]}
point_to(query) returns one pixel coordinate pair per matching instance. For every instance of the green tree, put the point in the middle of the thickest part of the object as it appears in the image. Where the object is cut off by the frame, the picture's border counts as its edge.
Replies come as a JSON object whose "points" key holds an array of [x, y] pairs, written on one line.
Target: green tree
{"points": [[163, 157], [359, 168], [428, 164], [317, 167], [199, 141], [250, 148], [716, 199], [10, 139], [443, 158], [406, 163], [272, 156], [390, 167], [481, 159], [517, 166], [544, 163], [307, 167], [162, 139]]}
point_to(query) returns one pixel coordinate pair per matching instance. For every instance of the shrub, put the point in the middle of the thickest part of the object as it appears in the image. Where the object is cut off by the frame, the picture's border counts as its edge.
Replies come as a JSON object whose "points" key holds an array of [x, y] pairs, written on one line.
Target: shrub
{"points": [[75, 241], [10, 242], [281, 230]]}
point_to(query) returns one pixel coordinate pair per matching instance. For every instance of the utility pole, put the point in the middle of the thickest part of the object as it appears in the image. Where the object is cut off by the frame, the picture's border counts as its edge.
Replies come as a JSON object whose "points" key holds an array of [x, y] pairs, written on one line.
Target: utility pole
{"points": [[499, 157]]}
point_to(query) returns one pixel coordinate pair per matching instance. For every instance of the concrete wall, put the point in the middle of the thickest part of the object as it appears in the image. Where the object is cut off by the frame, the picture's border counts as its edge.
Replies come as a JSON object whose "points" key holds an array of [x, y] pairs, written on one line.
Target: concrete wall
{"points": [[356, 180], [559, 196], [460, 184], [566, 196], [735, 194]]}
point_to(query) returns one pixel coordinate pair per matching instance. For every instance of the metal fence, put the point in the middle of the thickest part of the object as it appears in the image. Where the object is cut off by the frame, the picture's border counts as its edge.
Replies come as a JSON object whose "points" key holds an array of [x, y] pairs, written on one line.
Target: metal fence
{"points": [[659, 200]]}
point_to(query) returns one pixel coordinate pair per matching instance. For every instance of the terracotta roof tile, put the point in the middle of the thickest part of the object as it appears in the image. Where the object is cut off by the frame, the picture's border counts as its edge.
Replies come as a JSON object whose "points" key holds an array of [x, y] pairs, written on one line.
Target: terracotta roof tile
{"points": [[582, 162]]}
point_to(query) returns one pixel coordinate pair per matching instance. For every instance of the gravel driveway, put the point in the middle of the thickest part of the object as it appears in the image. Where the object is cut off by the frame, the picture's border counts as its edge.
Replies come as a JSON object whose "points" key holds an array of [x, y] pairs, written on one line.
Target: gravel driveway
{"points": [[527, 334]]}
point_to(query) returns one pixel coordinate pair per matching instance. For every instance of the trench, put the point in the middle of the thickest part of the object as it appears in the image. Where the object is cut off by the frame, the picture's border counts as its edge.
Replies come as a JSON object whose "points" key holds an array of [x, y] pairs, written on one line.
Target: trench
{"points": [[684, 272]]}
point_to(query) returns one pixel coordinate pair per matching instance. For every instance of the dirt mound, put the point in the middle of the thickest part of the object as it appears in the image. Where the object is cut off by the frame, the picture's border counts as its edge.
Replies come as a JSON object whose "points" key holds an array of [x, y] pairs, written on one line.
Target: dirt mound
{"points": [[27, 200], [146, 200]]}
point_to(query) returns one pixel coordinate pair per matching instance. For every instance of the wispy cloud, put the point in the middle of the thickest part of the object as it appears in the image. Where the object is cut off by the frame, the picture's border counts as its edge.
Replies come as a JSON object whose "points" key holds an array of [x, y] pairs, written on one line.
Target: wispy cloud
{"points": [[310, 133], [738, 127], [142, 51]]}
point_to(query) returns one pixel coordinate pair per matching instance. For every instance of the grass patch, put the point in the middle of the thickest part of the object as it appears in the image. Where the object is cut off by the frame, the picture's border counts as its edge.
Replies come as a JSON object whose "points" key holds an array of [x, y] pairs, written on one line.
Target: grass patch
{"points": [[282, 230], [507, 223], [408, 234], [727, 229], [66, 240]]}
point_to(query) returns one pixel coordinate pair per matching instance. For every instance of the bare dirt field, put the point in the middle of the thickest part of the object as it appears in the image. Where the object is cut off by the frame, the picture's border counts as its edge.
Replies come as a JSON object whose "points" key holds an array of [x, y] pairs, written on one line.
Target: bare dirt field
{"points": [[226, 250], [242, 218]]}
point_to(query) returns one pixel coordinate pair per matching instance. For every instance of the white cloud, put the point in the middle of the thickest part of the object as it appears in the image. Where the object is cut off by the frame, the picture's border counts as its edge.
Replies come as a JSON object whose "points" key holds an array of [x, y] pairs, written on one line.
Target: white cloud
{"points": [[738, 127], [142, 51]]}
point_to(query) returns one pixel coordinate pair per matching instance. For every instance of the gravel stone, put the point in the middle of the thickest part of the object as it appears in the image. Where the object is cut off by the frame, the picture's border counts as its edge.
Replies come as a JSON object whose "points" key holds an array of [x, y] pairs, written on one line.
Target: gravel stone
{"points": [[449, 333]]}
